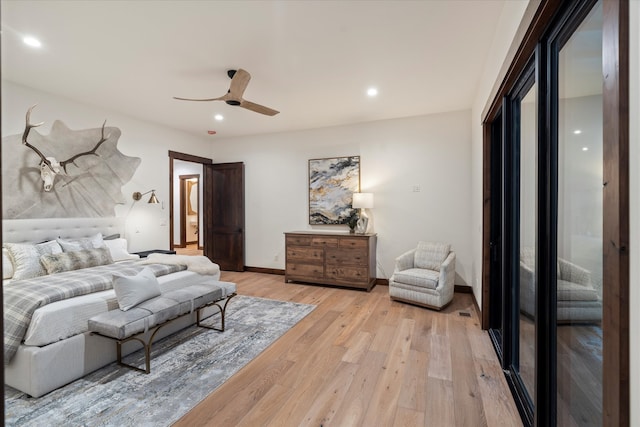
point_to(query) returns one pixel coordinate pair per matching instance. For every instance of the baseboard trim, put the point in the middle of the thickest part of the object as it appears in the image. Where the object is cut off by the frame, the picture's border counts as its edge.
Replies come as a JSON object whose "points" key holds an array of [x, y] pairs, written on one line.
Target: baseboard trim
{"points": [[264, 270], [382, 282], [463, 289]]}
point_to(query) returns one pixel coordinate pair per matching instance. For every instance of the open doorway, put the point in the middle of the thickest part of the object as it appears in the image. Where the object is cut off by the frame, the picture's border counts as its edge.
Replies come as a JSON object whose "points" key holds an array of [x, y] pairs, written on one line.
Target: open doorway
{"points": [[190, 212], [187, 213]]}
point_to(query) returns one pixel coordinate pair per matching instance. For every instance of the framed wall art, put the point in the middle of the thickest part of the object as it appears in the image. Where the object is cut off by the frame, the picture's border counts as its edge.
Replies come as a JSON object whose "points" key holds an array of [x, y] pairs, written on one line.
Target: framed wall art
{"points": [[332, 183]]}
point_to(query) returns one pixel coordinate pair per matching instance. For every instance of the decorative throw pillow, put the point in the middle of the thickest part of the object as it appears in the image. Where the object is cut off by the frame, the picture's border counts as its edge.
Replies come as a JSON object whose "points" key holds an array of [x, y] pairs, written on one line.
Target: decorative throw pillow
{"points": [[132, 290], [67, 261], [26, 258], [431, 255], [72, 245], [118, 249], [7, 265]]}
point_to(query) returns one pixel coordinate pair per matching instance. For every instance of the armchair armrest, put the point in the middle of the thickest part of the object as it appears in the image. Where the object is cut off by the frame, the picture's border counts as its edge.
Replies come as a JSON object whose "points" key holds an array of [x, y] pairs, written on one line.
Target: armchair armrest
{"points": [[574, 273], [448, 271], [405, 261]]}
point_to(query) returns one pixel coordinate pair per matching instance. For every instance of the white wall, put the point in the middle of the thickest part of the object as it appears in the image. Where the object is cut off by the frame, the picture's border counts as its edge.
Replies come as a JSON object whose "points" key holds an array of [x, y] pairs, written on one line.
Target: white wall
{"points": [[634, 193], [147, 225], [505, 31], [432, 152]]}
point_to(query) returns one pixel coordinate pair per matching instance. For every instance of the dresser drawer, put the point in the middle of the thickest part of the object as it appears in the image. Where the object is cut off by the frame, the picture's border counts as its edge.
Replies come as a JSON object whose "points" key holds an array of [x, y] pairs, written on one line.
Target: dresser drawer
{"points": [[346, 257], [305, 254], [298, 240], [353, 243], [348, 274], [324, 241], [310, 271]]}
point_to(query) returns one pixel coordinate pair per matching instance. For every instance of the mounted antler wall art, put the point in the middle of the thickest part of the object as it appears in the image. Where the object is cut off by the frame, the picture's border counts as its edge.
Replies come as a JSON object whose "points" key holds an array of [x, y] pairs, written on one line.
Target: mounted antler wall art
{"points": [[68, 173]]}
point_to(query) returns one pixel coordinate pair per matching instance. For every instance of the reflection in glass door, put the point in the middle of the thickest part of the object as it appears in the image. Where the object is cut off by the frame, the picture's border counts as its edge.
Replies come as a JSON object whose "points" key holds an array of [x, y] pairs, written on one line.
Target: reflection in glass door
{"points": [[527, 246], [580, 220]]}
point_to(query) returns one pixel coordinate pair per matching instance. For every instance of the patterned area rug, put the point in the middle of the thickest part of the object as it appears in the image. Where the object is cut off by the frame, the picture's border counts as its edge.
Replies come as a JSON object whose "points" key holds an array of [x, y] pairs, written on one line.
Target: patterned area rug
{"points": [[185, 368]]}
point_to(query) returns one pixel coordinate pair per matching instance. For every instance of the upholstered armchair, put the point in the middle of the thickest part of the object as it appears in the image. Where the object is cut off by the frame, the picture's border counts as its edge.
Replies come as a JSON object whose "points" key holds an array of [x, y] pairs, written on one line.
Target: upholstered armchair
{"points": [[424, 276], [578, 300]]}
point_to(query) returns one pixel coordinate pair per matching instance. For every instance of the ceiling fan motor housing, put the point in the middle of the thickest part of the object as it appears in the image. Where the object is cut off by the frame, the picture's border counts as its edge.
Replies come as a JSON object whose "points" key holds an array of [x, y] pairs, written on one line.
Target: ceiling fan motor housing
{"points": [[232, 102]]}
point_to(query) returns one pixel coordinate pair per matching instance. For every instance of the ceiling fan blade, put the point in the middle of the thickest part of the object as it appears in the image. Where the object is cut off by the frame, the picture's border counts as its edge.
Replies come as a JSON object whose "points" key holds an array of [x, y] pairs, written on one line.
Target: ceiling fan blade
{"points": [[239, 83], [220, 98], [258, 108]]}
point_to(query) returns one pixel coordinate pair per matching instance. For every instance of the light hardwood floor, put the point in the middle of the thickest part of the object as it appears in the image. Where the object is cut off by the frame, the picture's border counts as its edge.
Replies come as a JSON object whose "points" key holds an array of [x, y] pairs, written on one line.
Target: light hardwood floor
{"points": [[360, 359], [191, 249]]}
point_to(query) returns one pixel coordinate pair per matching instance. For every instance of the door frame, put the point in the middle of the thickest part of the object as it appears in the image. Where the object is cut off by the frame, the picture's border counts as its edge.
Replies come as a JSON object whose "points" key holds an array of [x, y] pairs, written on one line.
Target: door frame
{"points": [[174, 155], [615, 323]]}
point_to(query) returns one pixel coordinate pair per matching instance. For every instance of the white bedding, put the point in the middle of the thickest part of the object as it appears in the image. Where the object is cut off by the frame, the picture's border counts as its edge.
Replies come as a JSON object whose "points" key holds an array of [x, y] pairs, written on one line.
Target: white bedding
{"points": [[63, 319], [56, 350]]}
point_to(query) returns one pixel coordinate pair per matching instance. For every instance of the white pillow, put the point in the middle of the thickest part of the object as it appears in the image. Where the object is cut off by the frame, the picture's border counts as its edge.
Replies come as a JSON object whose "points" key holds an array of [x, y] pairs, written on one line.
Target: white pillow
{"points": [[73, 245], [7, 265], [132, 290], [26, 258], [118, 249]]}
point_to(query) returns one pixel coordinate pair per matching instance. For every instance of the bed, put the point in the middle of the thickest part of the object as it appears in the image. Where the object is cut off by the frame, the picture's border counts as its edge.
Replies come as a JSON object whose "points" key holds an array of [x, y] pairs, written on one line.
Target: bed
{"points": [[54, 347]]}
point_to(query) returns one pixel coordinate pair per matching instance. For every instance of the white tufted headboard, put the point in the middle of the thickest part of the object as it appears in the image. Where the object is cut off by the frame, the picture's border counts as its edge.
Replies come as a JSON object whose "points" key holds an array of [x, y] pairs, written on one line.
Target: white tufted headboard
{"points": [[42, 229]]}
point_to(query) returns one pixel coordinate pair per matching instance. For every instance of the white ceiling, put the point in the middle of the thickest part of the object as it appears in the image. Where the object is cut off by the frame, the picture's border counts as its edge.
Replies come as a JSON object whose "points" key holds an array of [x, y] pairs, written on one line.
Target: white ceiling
{"points": [[311, 60]]}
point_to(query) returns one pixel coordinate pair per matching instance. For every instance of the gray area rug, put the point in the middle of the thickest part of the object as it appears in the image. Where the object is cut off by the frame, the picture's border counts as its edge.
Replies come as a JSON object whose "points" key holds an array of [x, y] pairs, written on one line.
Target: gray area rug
{"points": [[185, 368]]}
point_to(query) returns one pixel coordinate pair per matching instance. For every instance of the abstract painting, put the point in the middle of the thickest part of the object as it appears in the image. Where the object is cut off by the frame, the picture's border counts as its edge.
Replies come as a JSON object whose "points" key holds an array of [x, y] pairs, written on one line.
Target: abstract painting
{"points": [[332, 183]]}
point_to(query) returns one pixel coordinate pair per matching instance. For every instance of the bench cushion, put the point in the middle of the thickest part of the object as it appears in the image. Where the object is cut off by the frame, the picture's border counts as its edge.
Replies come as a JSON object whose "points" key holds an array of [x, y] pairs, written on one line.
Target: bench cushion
{"points": [[120, 324]]}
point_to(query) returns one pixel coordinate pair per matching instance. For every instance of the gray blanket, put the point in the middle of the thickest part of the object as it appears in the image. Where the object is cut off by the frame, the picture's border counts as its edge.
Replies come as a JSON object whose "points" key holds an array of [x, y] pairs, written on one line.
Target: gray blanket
{"points": [[23, 297]]}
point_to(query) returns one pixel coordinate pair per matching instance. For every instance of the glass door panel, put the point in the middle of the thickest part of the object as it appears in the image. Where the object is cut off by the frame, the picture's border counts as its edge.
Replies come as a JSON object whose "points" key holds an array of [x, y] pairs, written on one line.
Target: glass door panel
{"points": [[527, 246], [580, 220]]}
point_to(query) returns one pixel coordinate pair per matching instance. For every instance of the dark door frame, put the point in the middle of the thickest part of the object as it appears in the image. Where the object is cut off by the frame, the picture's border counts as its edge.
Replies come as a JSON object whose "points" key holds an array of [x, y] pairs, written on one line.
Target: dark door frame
{"points": [[174, 155], [615, 323]]}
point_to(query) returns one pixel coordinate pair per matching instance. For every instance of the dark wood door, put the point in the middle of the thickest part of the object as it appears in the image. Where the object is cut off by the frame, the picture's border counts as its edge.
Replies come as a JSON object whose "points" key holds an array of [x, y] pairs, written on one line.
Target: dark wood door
{"points": [[224, 215]]}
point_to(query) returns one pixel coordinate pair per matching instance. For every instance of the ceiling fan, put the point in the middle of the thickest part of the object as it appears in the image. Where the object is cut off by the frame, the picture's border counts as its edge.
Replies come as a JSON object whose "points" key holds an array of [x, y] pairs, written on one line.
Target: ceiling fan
{"points": [[239, 81]]}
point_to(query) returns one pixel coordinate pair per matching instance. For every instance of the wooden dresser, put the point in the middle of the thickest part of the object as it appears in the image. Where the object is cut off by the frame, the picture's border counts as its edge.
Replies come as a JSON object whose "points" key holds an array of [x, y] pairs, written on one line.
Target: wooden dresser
{"points": [[340, 259]]}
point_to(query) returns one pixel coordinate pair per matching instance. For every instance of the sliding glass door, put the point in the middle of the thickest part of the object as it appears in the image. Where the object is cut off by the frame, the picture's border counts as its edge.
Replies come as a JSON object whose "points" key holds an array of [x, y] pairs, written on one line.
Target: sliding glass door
{"points": [[547, 226], [580, 224]]}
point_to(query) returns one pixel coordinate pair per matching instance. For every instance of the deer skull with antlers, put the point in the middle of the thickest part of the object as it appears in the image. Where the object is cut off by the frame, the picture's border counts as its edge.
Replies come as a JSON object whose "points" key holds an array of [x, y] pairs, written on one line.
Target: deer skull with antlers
{"points": [[49, 166]]}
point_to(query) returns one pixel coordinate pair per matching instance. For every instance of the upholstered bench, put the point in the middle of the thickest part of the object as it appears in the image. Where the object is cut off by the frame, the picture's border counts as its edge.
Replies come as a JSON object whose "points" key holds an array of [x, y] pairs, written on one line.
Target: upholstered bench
{"points": [[153, 314]]}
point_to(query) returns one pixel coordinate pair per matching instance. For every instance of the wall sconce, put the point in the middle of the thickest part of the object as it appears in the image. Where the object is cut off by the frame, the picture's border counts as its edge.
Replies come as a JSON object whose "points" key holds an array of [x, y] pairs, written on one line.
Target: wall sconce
{"points": [[153, 199], [362, 201]]}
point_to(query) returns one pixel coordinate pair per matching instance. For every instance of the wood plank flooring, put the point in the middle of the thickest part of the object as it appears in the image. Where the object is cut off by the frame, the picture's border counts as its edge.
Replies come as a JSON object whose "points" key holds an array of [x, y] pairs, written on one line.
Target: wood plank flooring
{"points": [[191, 249], [360, 359]]}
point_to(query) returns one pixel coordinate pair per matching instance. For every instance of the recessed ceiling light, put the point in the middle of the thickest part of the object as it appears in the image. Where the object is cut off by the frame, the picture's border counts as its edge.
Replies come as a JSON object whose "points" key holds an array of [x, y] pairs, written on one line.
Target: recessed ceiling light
{"points": [[577, 132], [585, 148], [372, 91], [32, 41], [218, 117]]}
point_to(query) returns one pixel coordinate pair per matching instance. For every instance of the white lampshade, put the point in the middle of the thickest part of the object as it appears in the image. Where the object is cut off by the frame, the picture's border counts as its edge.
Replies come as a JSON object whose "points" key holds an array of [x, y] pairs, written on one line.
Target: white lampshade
{"points": [[362, 200]]}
